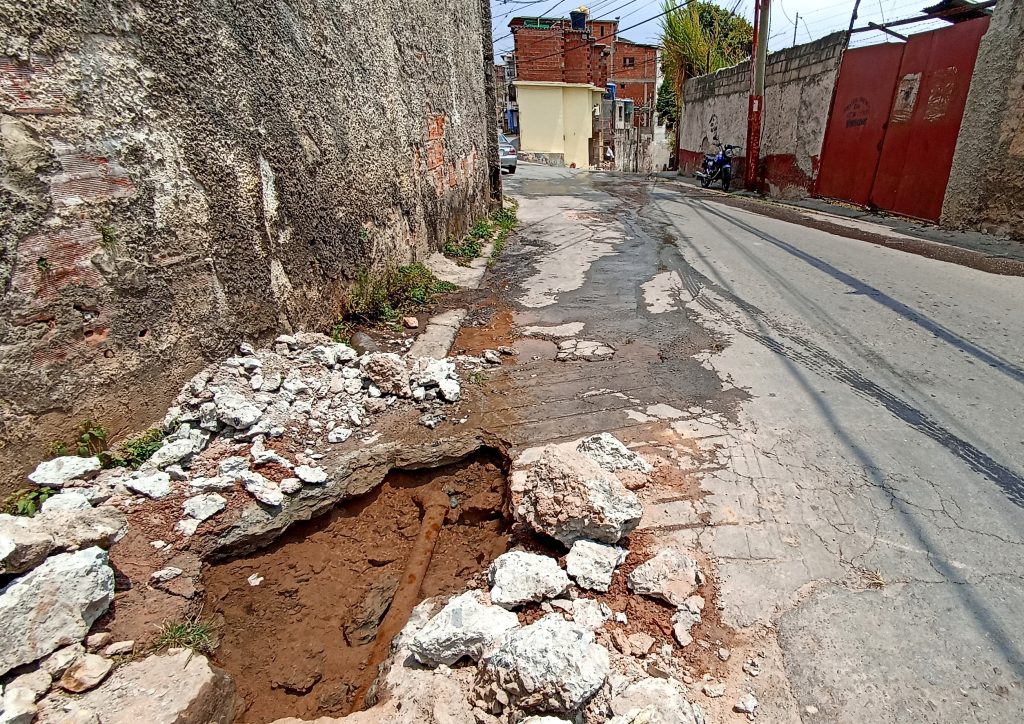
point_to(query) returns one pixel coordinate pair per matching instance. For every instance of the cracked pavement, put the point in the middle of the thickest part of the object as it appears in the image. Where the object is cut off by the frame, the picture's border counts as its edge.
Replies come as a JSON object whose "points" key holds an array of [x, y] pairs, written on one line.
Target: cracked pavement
{"points": [[847, 418]]}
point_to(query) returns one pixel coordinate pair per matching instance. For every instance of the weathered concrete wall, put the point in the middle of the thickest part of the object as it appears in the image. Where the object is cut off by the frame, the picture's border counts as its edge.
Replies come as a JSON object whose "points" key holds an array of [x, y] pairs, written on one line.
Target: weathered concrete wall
{"points": [[986, 182], [798, 92], [179, 176]]}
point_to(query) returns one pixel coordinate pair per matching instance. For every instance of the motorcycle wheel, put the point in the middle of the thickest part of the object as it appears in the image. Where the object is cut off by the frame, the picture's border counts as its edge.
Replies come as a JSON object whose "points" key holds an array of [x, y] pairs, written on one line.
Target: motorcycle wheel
{"points": [[704, 182], [726, 179]]}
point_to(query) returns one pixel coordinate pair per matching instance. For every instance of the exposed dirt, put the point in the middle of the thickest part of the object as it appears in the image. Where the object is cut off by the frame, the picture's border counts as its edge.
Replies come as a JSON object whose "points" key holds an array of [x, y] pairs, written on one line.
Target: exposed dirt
{"points": [[297, 643]]}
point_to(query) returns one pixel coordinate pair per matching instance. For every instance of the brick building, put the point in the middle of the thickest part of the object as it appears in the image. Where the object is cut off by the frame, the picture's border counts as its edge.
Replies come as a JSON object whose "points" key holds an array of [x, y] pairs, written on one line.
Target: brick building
{"points": [[633, 68]]}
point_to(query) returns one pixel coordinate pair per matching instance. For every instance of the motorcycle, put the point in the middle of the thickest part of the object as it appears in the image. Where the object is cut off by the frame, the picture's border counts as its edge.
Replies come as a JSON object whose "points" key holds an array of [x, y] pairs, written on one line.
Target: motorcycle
{"points": [[718, 166]]}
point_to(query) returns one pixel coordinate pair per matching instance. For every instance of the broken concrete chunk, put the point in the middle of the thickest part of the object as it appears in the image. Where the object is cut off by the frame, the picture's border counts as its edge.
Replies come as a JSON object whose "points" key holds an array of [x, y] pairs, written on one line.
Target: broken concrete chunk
{"points": [[290, 486], [175, 451], [388, 372], [551, 665], [174, 688], [66, 500], [120, 648], [95, 642], [38, 682], [670, 575], [24, 543], [683, 621], [165, 574], [235, 410], [449, 390], [155, 484], [589, 613], [60, 471], [567, 496], [202, 507], [58, 662], [261, 488], [218, 482], [62, 598], [592, 565], [713, 691], [468, 625], [19, 706], [86, 673], [187, 526], [607, 451], [339, 434], [311, 475], [746, 704], [518, 577], [664, 699]]}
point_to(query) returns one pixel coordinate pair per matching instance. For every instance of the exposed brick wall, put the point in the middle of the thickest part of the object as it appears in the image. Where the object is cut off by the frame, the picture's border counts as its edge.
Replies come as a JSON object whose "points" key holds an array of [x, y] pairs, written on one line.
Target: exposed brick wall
{"points": [[561, 55], [539, 54], [798, 93], [637, 82]]}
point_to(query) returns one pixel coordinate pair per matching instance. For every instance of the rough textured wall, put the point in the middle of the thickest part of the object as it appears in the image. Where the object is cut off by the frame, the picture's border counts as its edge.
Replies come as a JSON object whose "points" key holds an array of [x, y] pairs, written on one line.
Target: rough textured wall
{"points": [[986, 182], [178, 176], [798, 93]]}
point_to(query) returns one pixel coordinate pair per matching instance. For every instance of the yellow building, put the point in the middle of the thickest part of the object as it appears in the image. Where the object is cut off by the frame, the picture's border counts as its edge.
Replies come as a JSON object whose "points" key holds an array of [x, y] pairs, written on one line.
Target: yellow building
{"points": [[556, 121]]}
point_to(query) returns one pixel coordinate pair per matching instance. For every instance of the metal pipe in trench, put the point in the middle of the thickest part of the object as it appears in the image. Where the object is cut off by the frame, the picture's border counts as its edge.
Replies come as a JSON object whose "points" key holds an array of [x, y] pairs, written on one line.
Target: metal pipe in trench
{"points": [[435, 506]]}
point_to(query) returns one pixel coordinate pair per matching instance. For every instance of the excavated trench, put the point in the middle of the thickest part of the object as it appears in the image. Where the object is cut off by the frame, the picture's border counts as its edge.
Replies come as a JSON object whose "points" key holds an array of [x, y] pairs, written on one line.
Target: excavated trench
{"points": [[305, 621]]}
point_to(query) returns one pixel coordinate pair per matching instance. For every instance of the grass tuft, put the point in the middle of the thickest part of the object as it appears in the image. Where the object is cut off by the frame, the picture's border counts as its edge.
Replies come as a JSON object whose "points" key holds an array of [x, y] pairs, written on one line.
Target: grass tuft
{"points": [[189, 633], [381, 298]]}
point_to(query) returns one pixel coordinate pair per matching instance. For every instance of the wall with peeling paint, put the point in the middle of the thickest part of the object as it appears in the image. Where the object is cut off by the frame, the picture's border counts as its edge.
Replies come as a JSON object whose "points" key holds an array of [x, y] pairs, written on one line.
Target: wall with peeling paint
{"points": [[986, 182], [798, 92], [177, 177]]}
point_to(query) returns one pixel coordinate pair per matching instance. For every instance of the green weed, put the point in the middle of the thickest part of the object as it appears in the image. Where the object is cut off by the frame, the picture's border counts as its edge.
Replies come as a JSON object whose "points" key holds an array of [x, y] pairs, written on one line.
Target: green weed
{"points": [[383, 297], [466, 250], [57, 449], [27, 501], [342, 331], [43, 265], [189, 633], [135, 451], [92, 439]]}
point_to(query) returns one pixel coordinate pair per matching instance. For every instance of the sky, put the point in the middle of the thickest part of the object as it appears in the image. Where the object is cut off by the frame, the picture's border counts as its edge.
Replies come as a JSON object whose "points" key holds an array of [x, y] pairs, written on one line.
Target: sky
{"points": [[817, 18]]}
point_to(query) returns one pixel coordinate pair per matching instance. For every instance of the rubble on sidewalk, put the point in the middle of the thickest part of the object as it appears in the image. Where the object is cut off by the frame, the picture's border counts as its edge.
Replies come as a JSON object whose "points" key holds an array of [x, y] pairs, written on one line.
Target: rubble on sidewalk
{"points": [[467, 626], [670, 575], [518, 577]]}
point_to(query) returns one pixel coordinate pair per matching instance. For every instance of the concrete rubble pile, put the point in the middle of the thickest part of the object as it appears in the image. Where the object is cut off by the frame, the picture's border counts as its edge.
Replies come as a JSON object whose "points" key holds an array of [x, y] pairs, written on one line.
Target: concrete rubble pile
{"points": [[309, 392], [537, 647]]}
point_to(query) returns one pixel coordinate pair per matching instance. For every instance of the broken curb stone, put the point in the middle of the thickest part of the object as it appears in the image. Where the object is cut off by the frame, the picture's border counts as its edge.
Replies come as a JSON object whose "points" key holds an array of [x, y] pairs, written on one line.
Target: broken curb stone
{"points": [[608, 451], [58, 472], [569, 497], [466, 626], [670, 575], [518, 577], [592, 565], [551, 665], [62, 598]]}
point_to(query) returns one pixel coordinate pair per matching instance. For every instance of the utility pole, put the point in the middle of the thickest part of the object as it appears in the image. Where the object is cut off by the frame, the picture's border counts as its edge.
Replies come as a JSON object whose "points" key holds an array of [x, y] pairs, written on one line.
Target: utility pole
{"points": [[795, 22], [755, 107]]}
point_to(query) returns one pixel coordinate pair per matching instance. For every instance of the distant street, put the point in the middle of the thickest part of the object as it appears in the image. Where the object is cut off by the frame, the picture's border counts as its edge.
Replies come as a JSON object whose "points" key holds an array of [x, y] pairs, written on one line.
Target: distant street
{"points": [[856, 418]]}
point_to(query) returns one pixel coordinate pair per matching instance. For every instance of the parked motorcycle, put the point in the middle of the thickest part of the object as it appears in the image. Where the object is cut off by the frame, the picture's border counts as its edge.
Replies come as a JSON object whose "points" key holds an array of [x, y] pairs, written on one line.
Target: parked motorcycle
{"points": [[718, 166]]}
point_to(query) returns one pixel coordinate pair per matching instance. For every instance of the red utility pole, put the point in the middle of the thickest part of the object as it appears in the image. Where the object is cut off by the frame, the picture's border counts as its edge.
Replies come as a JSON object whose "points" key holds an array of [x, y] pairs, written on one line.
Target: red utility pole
{"points": [[755, 108]]}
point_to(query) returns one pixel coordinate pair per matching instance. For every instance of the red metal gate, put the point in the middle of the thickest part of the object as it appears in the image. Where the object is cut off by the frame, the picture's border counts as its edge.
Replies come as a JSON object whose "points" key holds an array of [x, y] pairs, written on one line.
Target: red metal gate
{"points": [[894, 125]]}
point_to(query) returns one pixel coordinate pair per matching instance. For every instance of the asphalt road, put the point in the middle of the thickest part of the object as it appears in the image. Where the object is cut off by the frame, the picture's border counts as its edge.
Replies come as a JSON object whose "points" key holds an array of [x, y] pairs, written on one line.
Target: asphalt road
{"points": [[867, 511]]}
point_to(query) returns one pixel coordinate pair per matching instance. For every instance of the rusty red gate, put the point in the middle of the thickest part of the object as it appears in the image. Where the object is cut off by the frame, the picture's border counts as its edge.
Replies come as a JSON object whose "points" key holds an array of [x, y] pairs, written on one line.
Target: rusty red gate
{"points": [[894, 124]]}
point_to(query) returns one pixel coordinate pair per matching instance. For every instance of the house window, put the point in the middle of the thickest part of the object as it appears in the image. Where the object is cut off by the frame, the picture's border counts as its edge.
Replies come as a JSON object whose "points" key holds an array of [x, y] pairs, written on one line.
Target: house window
{"points": [[628, 62]]}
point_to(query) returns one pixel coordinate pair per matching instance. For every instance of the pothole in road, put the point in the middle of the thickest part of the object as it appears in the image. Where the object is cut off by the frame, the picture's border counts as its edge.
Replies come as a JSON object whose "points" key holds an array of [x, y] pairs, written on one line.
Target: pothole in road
{"points": [[299, 620]]}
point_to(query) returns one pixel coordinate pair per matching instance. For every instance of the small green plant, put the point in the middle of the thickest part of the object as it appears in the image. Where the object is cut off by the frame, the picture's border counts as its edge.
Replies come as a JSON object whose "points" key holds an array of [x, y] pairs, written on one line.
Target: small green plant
{"points": [[26, 502], [92, 439], [466, 250], [108, 239], [188, 633], [364, 235], [135, 451], [43, 264], [383, 297], [342, 331], [481, 230], [505, 218], [476, 378], [57, 449]]}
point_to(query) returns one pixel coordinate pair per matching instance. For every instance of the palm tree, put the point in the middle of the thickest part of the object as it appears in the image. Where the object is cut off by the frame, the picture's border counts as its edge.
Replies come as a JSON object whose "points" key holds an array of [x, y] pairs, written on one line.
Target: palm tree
{"points": [[698, 39]]}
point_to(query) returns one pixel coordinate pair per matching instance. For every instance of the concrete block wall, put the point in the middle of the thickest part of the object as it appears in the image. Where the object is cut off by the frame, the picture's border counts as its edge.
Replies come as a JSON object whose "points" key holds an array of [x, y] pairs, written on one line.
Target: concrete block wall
{"points": [[179, 177], [798, 91], [986, 181]]}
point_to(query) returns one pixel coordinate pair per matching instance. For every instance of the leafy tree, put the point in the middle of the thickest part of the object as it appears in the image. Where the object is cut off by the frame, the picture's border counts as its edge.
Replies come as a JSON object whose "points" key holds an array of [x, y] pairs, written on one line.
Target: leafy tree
{"points": [[698, 39], [668, 102]]}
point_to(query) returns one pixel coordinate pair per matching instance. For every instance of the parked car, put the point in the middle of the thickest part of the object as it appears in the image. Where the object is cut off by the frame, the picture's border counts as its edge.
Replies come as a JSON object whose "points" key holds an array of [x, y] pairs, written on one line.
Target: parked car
{"points": [[508, 153]]}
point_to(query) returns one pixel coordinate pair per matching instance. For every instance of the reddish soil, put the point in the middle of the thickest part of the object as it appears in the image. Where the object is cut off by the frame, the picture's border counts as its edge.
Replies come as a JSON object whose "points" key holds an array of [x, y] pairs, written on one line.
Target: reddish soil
{"points": [[297, 643]]}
